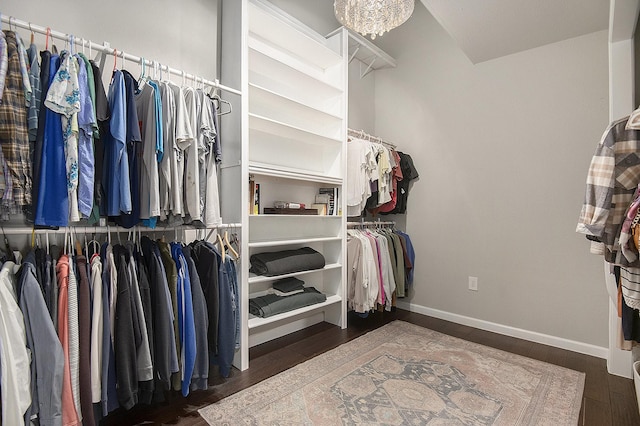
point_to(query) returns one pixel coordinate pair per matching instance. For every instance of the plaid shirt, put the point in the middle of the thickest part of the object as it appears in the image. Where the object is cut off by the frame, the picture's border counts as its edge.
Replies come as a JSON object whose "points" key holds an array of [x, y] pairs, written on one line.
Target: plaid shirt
{"points": [[14, 138], [613, 176]]}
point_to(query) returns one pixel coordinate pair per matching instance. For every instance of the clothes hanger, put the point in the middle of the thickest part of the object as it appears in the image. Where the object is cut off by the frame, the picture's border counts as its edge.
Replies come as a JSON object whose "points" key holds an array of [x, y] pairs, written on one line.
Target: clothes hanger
{"points": [[223, 101], [142, 80], [220, 243], [229, 246], [47, 35], [77, 243], [33, 35]]}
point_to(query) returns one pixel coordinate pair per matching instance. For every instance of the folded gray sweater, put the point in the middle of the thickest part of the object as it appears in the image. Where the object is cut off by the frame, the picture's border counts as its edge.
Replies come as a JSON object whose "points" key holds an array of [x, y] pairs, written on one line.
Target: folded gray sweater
{"points": [[271, 304], [286, 261], [287, 285]]}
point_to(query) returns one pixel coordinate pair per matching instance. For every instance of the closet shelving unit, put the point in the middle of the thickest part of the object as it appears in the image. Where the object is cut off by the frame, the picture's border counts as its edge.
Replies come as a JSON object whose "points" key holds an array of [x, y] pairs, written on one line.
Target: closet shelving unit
{"points": [[293, 136]]}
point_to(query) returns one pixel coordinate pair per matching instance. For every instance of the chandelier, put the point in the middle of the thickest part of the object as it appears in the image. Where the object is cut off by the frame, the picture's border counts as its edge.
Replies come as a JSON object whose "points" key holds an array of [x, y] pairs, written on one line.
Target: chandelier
{"points": [[373, 17]]}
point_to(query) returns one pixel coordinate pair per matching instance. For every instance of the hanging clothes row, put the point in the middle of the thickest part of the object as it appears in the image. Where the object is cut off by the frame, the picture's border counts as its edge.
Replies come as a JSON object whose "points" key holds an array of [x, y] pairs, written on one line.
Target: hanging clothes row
{"points": [[609, 218], [380, 264], [112, 326], [145, 151], [378, 176]]}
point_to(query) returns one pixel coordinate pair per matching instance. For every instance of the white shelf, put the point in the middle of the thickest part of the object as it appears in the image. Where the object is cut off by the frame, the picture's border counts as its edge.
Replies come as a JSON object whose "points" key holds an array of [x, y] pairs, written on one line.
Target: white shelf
{"points": [[253, 217], [255, 322], [287, 131], [261, 278], [276, 243], [281, 109], [256, 168], [282, 30], [267, 60], [302, 106]]}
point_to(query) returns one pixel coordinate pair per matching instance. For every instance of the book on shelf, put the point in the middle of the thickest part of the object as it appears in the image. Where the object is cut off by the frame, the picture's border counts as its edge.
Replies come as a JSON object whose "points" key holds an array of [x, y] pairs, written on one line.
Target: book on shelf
{"points": [[330, 197], [254, 197]]}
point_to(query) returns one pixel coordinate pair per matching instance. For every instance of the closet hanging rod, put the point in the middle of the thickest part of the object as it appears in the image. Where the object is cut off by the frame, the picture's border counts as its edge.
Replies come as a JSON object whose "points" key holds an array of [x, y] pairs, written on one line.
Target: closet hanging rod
{"points": [[363, 135], [15, 230], [104, 48], [369, 224]]}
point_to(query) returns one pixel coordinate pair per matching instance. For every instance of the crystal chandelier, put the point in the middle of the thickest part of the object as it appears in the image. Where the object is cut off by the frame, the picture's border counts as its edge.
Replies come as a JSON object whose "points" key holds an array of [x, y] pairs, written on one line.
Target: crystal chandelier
{"points": [[373, 17]]}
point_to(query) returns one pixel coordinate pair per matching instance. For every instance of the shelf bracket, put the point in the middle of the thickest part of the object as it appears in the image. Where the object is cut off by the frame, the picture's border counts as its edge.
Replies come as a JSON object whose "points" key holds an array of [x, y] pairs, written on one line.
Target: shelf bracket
{"points": [[353, 55], [369, 68]]}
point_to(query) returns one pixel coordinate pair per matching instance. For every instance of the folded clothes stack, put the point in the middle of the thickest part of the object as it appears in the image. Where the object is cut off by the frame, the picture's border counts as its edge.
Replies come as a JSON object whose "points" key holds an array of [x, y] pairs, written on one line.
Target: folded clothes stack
{"points": [[271, 304], [288, 286], [286, 261]]}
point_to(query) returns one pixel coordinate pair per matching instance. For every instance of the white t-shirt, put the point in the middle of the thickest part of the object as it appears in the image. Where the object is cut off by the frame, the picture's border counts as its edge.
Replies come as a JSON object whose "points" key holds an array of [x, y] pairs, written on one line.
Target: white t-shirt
{"points": [[165, 174], [191, 168], [184, 138]]}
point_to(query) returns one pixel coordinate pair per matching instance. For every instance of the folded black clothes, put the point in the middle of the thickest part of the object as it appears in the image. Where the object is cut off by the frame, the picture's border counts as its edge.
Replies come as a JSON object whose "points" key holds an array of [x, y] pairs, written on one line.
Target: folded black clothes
{"points": [[287, 285], [271, 304], [286, 261]]}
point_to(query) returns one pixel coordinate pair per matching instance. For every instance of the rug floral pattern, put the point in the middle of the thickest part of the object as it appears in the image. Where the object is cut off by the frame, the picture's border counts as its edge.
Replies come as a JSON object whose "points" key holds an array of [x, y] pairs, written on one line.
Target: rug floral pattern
{"points": [[403, 374]]}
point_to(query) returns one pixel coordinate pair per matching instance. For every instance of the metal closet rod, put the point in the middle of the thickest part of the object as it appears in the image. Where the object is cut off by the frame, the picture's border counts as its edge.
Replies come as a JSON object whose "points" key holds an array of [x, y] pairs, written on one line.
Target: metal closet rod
{"points": [[15, 230], [376, 223], [104, 48], [364, 135]]}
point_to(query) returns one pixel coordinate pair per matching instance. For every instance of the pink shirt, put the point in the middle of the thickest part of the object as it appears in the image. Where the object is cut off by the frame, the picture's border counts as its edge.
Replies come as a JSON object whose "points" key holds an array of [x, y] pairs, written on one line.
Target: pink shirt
{"points": [[69, 413]]}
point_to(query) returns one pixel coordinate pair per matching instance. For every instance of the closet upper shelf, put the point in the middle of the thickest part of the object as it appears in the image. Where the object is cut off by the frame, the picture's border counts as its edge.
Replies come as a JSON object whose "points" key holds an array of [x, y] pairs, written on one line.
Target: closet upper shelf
{"points": [[269, 23], [366, 52]]}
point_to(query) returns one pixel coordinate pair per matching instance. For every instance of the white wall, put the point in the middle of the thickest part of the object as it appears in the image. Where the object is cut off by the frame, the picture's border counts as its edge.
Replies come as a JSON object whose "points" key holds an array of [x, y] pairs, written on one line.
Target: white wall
{"points": [[181, 34], [503, 149]]}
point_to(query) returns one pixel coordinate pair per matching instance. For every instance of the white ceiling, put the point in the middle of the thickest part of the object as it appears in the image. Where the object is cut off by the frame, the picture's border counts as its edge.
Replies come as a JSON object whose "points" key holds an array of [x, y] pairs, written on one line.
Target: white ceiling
{"points": [[488, 29]]}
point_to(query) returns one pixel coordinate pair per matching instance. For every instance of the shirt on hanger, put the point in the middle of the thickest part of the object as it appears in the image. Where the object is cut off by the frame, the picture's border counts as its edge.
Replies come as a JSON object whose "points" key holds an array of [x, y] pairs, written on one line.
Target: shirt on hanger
{"points": [[117, 171]]}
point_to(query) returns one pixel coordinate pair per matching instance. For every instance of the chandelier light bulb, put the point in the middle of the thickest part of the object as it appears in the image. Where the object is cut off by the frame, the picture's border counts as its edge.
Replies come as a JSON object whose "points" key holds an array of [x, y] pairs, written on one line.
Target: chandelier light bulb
{"points": [[373, 17]]}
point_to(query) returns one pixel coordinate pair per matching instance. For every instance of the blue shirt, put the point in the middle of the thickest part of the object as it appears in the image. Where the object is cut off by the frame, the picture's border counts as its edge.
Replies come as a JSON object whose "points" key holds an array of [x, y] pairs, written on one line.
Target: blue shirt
{"points": [[117, 170], [186, 323], [128, 220], [411, 254], [52, 207], [158, 101]]}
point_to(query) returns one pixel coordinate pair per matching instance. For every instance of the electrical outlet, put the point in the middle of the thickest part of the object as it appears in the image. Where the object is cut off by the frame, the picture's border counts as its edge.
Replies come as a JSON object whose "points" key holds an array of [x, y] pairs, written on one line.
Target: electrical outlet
{"points": [[473, 283]]}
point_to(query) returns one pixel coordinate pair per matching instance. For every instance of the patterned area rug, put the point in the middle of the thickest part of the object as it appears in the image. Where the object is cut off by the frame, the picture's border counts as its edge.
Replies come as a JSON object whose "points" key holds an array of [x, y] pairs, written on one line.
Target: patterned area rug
{"points": [[403, 374]]}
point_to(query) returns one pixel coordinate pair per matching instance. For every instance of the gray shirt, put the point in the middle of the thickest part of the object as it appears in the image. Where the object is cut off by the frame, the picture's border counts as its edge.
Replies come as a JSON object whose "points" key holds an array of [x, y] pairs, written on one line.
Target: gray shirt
{"points": [[149, 182], [47, 358]]}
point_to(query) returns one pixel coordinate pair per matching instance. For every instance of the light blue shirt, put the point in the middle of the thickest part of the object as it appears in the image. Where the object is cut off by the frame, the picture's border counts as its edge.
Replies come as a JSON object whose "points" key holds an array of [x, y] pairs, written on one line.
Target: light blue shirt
{"points": [[86, 122], [117, 170]]}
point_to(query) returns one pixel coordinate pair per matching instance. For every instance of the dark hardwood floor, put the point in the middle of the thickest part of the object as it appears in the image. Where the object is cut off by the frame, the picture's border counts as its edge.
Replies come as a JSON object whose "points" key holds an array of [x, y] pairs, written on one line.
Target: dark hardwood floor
{"points": [[607, 399]]}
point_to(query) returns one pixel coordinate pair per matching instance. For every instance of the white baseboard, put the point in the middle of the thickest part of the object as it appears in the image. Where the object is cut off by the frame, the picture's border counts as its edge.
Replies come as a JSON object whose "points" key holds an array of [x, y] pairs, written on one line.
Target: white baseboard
{"points": [[532, 336]]}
